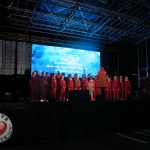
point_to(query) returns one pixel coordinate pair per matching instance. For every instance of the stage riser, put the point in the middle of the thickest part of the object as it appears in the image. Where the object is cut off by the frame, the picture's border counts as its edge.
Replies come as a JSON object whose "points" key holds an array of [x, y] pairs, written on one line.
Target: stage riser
{"points": [[68, 120]]}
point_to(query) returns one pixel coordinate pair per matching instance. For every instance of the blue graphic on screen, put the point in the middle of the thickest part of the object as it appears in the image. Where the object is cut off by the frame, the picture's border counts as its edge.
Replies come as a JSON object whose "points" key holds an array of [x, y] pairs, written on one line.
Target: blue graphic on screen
{"points": [[65, 60]]}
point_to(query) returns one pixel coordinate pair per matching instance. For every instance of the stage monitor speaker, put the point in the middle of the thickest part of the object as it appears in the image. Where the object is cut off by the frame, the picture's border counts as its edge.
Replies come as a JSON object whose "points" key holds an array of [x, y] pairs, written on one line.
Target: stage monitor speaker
{"points": [[99, 98], [79, 95], [142, 96], [51, 97]]}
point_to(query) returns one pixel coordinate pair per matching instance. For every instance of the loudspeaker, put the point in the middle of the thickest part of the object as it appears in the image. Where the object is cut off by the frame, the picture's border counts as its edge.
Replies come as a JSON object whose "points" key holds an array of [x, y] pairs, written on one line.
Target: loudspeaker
{"points": [[51, 97], [99, 98], [142, 96], [79, 95]]}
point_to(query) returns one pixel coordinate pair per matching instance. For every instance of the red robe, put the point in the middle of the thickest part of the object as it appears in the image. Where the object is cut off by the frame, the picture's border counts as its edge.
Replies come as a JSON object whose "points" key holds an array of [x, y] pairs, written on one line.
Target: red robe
{"points": [[69, 87], [49, 81], [58, 88], [109, 91], [53, 86], [97, 90], [38, 80], [121, 90], [43, 88], [115, 89], [48, 87], [62, 89], [127, 88], [76, 84], [84, 84], [33, 87]]}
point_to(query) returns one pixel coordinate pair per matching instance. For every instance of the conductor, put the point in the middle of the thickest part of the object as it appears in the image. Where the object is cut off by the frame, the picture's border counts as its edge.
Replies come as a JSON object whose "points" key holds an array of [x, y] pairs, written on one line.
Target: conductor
{"points": [[101, 77]]}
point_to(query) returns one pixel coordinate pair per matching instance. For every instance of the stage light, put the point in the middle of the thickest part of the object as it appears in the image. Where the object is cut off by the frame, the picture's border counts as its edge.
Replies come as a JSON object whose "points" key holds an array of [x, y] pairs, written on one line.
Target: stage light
{"points": [[7, 3], [9, 16], [41, 100], [10, 4], [5, 12]]}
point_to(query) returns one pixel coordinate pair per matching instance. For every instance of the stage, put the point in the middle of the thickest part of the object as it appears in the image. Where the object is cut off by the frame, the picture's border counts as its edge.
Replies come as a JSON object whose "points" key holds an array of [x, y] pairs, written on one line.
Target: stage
{"points": [[63, 120]]}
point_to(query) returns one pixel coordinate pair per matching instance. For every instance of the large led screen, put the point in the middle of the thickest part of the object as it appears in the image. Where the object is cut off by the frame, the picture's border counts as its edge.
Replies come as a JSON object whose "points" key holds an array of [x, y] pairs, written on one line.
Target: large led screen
{"points": [[65, 60]]}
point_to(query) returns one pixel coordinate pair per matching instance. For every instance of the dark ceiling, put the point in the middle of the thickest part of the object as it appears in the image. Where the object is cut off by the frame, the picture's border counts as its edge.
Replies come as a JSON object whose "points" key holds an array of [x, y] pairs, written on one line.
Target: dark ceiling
{"points": [[84, 23]]}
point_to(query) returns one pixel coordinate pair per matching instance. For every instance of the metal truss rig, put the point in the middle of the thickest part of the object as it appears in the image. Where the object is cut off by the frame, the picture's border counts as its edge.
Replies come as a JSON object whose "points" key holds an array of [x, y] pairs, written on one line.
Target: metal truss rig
{"points": [[111, 22]]}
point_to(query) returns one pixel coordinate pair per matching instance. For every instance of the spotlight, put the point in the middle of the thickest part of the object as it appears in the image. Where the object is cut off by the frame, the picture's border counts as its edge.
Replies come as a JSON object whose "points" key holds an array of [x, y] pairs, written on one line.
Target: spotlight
{"points": [[41, 100], [10, 4]]}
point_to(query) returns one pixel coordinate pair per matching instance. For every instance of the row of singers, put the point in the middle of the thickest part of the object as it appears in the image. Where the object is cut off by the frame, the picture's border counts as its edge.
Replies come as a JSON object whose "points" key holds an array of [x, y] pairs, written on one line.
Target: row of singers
{"points": [[41, 86], [118, 89]]}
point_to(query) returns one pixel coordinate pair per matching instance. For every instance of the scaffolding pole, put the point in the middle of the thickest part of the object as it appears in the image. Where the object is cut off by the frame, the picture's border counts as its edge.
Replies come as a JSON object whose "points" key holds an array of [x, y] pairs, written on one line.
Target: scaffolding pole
{"points": [[147, 74], [138, 67], [118, 63]]}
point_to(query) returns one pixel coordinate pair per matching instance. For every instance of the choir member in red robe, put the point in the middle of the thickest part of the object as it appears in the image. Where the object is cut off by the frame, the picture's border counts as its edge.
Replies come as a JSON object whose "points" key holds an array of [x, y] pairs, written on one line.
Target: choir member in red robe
{"points": [[115, 88], [109, 89], [127, 87], [97, 90], [77, 83], [38, 80], [54, 85], [33, 85], [84, 83], [47, 78], [62, 88], [58, 85], [49, 81], [69, 85], [43, 86], [121, 88]]}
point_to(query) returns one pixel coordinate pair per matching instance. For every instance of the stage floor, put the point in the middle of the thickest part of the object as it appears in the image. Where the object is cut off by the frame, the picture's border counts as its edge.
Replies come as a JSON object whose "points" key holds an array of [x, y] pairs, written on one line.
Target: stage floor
{"points": [[133, 140]]}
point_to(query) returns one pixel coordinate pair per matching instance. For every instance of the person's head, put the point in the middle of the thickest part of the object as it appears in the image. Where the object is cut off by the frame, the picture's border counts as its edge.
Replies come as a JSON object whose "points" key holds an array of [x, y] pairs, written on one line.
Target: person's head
{"points": [[38, 73], [62, 77], [54, 76], [47, 74], [126, 78], [77, 77], [63, 74], [101, 68], [70, 76], [109, 79], [84, 76], [34, 74], [121, 79], [43, 74], [115, 78]]}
